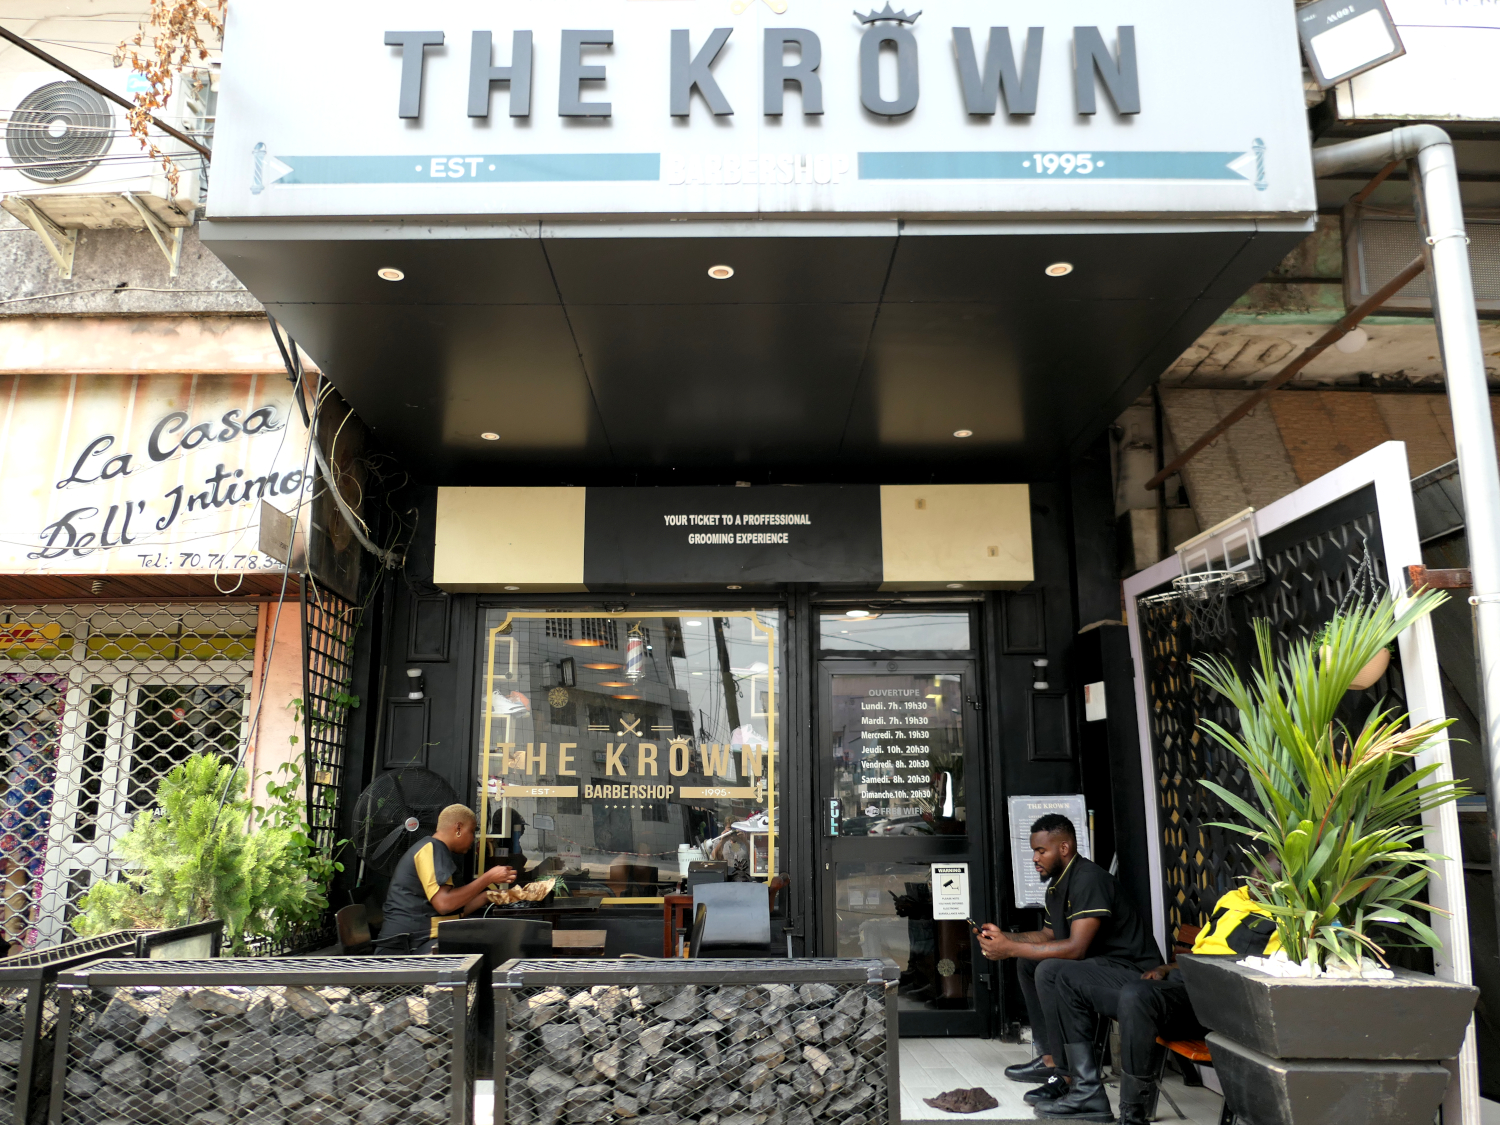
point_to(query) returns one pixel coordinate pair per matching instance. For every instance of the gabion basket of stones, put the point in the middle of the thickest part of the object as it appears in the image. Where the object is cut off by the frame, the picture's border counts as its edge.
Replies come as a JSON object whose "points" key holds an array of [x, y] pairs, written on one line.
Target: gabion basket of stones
{"points": [[28, 1019], [753, 1042], [288, 1041]]}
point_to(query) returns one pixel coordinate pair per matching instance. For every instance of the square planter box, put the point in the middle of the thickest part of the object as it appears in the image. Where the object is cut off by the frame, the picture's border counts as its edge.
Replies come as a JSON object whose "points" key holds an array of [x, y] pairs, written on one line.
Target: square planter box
{"points": [[1266, 1091], [1413, 1017], [28, 1018], [752, 1042], [288, 1041]]}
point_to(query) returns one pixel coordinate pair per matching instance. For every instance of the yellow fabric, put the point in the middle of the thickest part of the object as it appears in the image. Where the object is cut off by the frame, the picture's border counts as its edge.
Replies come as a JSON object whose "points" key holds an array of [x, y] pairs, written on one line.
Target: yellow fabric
{"points": [[423, 861], [440, 918], [1229, 913]]}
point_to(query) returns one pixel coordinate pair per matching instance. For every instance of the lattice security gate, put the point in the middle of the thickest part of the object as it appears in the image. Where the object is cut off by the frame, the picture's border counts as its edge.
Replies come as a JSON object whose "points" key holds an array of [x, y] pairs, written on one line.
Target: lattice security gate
{"points": [[97, 704], [1310, 565], [330, 623]]}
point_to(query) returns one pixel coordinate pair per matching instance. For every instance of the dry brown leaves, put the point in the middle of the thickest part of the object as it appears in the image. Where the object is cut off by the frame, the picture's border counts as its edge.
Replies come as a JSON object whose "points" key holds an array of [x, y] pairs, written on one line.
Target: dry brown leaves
{"points": [[178, 35]]}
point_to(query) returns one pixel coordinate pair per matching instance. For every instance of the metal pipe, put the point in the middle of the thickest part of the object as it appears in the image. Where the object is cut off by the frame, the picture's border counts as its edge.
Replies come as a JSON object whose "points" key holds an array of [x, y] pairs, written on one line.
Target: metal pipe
{"points": [[1441, 218], [104, 91]]}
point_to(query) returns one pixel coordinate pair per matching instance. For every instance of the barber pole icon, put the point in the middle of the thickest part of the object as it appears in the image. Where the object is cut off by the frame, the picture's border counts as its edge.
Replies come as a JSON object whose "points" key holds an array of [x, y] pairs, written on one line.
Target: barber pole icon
{"points": [[635, 654]]}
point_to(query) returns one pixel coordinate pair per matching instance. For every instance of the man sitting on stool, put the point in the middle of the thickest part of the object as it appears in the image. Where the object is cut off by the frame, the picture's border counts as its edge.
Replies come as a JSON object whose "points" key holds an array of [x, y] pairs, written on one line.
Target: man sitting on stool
{"points": [[1157, 1004], [1090, 928], [422, 893]]}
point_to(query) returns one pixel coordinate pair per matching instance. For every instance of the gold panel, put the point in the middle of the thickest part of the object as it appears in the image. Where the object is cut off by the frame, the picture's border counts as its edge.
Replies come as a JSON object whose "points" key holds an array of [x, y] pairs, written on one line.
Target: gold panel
{"points": [[976, 534], [489, 539]]}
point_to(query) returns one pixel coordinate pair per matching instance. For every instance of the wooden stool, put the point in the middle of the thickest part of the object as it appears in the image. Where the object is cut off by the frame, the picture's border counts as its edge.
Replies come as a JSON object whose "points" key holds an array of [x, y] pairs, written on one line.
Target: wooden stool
{"points": [[579, 943]]}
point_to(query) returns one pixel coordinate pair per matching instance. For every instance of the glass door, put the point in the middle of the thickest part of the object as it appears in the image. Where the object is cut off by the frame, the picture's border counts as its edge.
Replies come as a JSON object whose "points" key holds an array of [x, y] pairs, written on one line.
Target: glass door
{"points": [[897, 743]]}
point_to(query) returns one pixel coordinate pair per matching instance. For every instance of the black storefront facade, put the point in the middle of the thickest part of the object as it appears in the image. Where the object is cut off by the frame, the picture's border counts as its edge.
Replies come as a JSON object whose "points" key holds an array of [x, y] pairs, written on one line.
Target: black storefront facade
{"points": [[748, 453]]}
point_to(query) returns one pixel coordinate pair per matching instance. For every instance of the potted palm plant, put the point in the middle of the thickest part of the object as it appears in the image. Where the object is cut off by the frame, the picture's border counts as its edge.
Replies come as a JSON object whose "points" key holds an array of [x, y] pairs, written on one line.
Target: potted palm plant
{"points": [[1329, 1033]]}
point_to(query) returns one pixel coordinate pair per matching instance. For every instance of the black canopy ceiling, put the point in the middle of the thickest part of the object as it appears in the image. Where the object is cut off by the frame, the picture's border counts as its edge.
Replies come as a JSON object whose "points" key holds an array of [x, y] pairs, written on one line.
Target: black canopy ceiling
{"points": [[619, 360]]}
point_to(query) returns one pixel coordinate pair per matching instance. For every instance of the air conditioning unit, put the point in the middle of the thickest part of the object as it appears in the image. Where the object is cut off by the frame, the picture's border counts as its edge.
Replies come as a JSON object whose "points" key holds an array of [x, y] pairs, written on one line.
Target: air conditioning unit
{"points": [[73, 164]]}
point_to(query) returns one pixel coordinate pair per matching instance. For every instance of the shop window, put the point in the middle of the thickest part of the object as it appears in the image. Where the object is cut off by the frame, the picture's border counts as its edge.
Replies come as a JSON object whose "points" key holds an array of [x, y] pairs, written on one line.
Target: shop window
{"points": [[665, 748], [870, 630]]}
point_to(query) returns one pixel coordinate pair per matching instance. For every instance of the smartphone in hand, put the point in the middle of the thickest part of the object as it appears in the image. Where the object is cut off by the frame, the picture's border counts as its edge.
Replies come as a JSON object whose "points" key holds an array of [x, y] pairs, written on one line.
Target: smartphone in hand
{"points": [[973, 925]]}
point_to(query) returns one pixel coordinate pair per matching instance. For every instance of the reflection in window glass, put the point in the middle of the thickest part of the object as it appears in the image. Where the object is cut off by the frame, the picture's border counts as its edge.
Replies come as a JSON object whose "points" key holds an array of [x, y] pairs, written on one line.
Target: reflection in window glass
{"points": [[885, 910], [619, 747], [875, 631]]}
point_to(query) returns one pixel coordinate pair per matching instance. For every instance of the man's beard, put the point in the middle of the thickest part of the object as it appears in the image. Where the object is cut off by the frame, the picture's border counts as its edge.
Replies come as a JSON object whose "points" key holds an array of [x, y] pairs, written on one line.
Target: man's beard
{"points": [[1051, 874]]}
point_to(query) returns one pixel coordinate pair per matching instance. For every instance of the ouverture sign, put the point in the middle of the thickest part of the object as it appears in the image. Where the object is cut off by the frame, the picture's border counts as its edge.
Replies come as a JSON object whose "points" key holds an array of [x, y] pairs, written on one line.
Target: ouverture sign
{"points": [[724, 108]]}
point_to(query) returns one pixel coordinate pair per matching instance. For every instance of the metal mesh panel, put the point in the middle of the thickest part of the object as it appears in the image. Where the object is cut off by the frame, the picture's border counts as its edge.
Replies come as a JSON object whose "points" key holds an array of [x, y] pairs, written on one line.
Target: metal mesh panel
{"points": [[329, 674], [1309, 568], [97, 704], [727, 1054], [268, 1054], [1387, 241]]}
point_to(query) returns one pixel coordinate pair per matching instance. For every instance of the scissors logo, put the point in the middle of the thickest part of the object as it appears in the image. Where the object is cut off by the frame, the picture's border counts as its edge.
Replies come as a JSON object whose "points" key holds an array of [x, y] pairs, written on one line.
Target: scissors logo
{"points": [[777, 6]]}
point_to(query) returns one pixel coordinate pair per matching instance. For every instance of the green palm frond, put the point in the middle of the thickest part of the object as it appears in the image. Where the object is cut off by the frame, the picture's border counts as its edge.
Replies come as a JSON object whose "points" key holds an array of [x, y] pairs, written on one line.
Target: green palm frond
{"points": [[1335, 828]]}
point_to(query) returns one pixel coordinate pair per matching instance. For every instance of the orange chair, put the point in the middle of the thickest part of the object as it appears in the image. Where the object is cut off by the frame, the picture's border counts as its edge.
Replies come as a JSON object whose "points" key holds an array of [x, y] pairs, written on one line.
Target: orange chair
{"points": [[1194, 1050]]}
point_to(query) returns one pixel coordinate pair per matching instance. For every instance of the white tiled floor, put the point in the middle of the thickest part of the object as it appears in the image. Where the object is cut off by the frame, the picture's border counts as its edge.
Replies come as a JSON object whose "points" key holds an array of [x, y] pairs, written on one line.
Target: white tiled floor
{"points": [[931, 1066]]}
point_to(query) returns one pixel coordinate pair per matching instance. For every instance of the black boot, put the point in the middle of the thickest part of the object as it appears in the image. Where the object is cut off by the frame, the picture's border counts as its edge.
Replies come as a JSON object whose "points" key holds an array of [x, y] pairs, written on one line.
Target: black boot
{"points": [[1137, 1096], [1086, 1101], [1050, 1090]]}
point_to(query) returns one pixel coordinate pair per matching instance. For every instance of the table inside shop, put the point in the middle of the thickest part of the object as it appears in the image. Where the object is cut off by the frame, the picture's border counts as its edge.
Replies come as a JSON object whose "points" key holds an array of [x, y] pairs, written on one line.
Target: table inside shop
{"points": [[558, 908]]}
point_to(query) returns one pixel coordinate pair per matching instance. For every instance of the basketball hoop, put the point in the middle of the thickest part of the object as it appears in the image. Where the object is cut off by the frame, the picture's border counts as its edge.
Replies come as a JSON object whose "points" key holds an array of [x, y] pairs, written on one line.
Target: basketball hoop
{"points": [[1207, 595]]}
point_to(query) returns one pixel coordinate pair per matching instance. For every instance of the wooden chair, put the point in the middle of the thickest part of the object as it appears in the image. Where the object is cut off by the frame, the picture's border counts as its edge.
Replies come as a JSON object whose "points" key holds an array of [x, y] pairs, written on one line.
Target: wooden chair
{"points": [[354, 931]]}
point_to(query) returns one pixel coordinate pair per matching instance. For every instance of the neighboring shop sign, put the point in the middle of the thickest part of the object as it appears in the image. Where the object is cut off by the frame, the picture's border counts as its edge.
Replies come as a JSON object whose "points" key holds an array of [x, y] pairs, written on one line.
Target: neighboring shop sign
{"points": [[154, 474], [904, 536], [695, 107], [1029, 889]]}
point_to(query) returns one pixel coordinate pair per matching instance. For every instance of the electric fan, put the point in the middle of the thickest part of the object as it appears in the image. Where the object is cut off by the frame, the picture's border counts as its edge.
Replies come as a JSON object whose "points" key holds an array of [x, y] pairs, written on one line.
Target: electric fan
{"points": [[396, 810]]}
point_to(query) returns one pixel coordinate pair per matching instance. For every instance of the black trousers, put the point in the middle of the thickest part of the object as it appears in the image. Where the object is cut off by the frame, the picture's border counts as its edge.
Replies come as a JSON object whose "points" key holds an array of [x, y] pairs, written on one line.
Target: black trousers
{"points": [[1145, 1008], [1040, 981]]}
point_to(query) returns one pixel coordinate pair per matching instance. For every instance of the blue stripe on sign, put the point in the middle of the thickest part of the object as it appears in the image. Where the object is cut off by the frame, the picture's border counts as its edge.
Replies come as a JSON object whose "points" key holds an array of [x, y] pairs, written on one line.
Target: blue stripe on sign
{"points": [[1025, 166], [509, 168]]}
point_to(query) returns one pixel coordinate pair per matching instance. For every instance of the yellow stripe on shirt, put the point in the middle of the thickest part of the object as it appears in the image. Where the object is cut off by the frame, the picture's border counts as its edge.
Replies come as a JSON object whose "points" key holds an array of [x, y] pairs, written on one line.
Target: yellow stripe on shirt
{"points": [[423, 861]]}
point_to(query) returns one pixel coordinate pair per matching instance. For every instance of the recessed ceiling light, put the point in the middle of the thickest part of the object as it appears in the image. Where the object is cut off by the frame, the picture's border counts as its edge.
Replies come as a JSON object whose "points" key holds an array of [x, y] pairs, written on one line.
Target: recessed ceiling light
{"points": [[963, 433], [627, 697], [858, 613], [1059, 269], [390, 273], [512, 587], [955, 585], [721, 273], [490, 435], [601, 667], [734, 587], [694, 624], [614, 683]]}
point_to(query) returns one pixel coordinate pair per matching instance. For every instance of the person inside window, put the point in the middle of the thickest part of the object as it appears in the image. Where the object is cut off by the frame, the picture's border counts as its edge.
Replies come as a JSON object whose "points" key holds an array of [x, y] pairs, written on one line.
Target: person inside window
{"points": [[1090, 929], [422, 893]]}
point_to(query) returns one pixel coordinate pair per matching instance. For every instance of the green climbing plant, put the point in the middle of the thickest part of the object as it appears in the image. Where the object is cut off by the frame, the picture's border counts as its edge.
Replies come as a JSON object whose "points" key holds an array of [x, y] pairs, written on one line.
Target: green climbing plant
{"points": [[194, 857]]}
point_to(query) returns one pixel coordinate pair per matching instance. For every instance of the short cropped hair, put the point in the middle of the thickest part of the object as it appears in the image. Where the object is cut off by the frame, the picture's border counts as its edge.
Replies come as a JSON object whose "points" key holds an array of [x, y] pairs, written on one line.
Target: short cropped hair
{"points": [[1056, 822], [455, 815]]}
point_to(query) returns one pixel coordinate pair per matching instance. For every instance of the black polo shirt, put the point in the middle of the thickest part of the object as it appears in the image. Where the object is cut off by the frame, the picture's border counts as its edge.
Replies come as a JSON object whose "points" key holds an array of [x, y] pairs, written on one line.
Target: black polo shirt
{"points": [[1086, 890], [427, 867]]}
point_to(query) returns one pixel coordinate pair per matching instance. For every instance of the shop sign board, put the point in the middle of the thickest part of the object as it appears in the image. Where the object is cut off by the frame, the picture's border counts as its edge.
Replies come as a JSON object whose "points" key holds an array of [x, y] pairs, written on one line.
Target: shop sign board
{"points": [[894, 536], [723, 108], [146, 474]]}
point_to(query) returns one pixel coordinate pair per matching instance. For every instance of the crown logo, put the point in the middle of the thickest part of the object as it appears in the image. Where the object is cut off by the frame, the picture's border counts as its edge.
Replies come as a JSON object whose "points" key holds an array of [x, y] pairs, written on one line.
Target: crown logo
{"points": [[887, 13]]}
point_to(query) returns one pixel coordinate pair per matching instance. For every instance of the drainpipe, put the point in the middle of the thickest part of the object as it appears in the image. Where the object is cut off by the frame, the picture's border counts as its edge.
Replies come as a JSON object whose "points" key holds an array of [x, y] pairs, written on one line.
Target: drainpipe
{"points": [[1429, 153]]}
